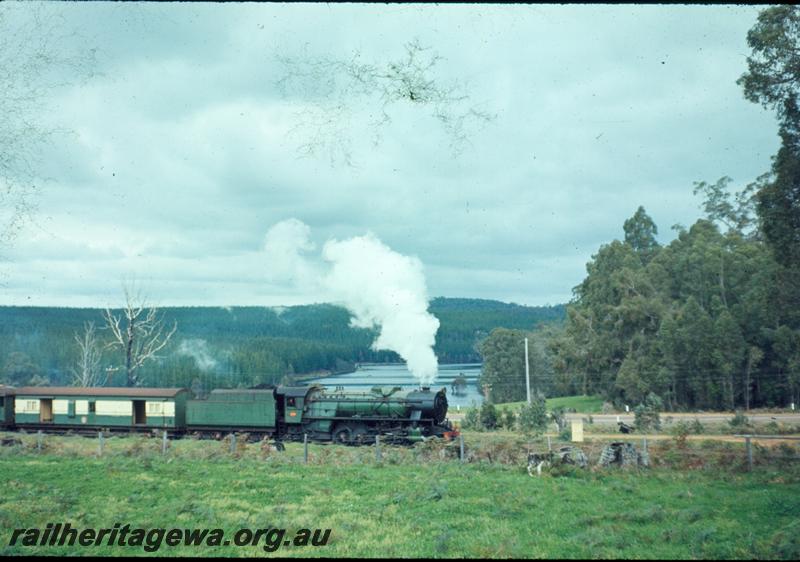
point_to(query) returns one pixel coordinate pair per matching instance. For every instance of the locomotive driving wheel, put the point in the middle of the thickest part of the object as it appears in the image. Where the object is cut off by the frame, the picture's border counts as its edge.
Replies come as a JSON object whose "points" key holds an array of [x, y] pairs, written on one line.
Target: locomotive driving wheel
{"points": [[343, 434], [358, 436], [348, 434]]}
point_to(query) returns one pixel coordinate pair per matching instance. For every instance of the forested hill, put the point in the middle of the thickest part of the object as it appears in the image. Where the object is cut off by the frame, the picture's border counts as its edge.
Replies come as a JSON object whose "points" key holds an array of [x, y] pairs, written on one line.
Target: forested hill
{"points": [[244, 345]]}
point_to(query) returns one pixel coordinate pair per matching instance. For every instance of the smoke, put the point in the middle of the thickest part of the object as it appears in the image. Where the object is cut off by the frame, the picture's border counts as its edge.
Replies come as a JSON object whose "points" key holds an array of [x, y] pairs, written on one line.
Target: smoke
{"points": [[198, 350], [278, 310], [381, 288]]}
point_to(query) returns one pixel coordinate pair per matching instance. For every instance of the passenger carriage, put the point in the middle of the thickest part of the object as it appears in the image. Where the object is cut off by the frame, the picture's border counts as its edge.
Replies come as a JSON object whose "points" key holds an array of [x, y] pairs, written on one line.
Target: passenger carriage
{"points": [[115, 409]]}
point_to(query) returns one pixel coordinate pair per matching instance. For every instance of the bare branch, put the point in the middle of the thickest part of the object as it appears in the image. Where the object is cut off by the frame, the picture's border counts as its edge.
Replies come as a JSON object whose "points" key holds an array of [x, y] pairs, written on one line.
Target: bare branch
{"points": [[86, 371], [138, 331], [336, 89]]}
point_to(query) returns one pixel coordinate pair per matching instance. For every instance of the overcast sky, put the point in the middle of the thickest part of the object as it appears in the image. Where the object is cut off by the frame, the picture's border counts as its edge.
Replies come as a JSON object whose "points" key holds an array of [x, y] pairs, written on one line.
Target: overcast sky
{"points": [[183, 151]]}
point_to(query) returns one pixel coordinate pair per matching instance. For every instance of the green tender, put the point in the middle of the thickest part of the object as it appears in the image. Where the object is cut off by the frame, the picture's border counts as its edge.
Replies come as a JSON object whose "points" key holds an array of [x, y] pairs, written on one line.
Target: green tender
{"points": [[236, 409]]}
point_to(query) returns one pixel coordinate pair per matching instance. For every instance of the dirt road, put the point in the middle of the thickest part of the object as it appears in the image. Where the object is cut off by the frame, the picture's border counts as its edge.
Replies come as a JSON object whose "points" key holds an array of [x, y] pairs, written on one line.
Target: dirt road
{"points": [[702, 416], [665, 417]]}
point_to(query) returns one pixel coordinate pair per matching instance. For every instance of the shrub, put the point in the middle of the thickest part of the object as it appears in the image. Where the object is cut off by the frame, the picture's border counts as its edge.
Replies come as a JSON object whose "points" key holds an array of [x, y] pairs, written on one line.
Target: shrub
{"points": [[647, 414], [533, 416], [488, 415], [680, 431], [509, 418], [472, 419], [739, 421]]}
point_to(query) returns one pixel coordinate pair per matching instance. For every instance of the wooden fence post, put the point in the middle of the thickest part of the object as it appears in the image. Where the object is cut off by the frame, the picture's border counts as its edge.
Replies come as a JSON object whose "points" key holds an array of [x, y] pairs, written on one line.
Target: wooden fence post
{"points": [[305, 448], [378, 448], [39, 440], [461, 446], [100, 443], [233, 443], [549, 447], [164, 443], [749, 449]]}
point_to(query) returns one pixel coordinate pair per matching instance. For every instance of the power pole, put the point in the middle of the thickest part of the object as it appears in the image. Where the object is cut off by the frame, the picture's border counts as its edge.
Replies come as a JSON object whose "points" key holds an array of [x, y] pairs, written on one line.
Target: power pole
{"points": [[527, 373]]}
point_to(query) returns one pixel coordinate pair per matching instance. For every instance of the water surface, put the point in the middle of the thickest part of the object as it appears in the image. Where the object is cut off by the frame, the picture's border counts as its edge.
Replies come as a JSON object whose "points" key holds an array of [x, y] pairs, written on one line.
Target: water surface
{"points": [[368, 376]]}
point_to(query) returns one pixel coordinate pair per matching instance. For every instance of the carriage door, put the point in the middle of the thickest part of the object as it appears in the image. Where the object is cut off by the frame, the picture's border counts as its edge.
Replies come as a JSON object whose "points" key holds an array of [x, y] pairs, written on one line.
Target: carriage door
{"points": [[139, 416], [46, 410]]}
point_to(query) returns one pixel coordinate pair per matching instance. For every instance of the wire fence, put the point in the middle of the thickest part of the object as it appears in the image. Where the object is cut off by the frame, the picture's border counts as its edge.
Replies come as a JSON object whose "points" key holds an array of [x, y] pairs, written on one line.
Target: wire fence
{"points": [[744, 452]]}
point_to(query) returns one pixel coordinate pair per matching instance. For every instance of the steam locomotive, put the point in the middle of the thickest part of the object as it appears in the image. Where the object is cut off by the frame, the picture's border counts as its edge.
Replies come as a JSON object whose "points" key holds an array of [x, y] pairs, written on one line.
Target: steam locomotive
{"points": [[283, 413]]}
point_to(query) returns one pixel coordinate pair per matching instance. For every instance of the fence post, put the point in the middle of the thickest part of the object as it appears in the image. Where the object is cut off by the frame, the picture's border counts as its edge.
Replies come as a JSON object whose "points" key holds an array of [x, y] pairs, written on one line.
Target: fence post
{"points": [[100, 443], [164, 443], [644, 444], [549, 447], [461, 446], [39, 440], [305, 448], [233, 443], [749, 448], [378, 448]]}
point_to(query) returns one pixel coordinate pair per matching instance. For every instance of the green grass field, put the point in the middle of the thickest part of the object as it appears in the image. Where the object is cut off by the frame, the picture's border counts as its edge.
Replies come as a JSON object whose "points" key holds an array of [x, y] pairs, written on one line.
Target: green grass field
{"points": [[411, 505]]}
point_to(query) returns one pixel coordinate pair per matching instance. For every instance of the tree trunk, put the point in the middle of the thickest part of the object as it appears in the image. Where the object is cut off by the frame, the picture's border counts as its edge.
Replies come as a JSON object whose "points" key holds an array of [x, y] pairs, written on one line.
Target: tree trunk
{"points": [[747, 381], [731, 398], [722, 281]]}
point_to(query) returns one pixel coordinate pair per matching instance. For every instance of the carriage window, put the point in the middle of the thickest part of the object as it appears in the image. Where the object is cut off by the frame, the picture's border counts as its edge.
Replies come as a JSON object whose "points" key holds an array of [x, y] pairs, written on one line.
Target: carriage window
{"points": [[92, 407], [2, 401], [290, 401]]}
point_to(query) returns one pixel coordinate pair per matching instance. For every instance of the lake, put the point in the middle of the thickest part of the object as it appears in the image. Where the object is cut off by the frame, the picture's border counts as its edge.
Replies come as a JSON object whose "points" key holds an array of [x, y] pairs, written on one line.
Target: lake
{"points": [[368, 376]]}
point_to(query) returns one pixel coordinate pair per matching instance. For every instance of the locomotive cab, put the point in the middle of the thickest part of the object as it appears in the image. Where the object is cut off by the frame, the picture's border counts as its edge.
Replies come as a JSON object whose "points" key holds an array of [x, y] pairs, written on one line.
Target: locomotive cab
{"points": [[291, 403]]}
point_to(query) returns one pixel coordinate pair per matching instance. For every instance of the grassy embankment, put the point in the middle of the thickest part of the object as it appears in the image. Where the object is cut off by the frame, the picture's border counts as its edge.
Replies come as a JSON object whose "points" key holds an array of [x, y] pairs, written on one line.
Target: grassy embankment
{"points": [[412, 504], [583, 404]]}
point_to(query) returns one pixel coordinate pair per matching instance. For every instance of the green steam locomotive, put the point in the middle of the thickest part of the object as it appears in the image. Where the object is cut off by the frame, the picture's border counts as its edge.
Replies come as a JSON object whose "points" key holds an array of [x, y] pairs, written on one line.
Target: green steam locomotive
{"points": [[283, 413]]}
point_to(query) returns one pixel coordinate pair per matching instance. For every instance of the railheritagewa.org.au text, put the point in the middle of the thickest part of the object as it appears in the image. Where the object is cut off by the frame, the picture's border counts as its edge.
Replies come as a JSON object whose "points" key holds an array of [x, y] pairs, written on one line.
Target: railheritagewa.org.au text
{"points": [[151, 540]]}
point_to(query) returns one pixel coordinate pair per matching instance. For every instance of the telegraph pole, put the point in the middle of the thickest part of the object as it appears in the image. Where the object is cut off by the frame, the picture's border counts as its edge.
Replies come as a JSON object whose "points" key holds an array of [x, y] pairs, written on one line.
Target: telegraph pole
{"points": [[527, 373]]}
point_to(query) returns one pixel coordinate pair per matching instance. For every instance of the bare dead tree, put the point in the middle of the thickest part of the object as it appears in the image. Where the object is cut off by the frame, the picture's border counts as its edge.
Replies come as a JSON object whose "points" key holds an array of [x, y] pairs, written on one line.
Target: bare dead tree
{"points": [[337, 91], [86, 371], [38, 54], [139, 331]]}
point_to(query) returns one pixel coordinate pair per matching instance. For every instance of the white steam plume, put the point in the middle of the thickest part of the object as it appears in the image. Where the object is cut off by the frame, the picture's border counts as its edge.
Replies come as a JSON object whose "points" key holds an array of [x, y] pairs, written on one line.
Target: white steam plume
{"points": [[198, 350], [380, 287]]}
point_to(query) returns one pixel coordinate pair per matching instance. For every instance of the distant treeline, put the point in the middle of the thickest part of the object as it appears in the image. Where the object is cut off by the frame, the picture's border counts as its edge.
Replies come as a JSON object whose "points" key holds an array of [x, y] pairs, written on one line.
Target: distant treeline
{"points": [[243, 346]]}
